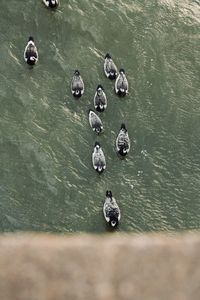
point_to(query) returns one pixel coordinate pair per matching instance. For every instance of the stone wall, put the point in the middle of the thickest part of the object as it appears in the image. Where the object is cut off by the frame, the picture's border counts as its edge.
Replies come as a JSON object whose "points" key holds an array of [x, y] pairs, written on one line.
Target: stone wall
{"points": [[119, 267]]}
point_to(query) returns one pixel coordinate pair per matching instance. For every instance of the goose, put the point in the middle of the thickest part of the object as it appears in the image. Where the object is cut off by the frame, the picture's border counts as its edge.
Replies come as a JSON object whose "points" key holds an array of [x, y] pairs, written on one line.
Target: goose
{"points": [[77, 84], [123, 141], [51, 3], [100, 100], [98, 158], [30, 52], [110, 68], [121, 83], [111, 210], [95, 122]]}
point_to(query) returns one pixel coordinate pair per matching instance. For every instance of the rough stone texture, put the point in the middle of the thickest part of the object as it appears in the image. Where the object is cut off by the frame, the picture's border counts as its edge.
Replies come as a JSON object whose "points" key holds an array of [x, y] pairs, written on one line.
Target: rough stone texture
{"points": [[79, 267]]}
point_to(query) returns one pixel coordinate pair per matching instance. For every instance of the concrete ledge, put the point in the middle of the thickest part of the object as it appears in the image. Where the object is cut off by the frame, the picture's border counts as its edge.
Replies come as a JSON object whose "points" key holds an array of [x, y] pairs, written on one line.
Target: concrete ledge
{"points": [[131, 267]]}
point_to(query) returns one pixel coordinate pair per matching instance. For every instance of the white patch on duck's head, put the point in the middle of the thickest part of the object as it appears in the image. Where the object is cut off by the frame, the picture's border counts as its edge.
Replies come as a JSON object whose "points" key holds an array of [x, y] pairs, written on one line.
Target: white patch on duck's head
{"points": [[99, 168], [98, 130], [113, 223], [77, 92], [32, 58], [99, 88], [77, 73], [97, 145]]}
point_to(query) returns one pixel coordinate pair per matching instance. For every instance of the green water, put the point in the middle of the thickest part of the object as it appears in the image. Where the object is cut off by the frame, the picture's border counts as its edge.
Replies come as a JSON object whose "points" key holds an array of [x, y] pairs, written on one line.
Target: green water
{"points": [[47, 182]]}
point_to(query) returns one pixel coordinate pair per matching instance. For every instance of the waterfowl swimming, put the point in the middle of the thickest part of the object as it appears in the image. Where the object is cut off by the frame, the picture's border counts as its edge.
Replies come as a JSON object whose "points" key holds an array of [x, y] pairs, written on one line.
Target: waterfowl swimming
{"points": [[51, 3], [30, 52], [98, 158], [121, 83], [111, 210], [123, 141], [95, 122], [100, 100], [110, 68], [77, 84]]}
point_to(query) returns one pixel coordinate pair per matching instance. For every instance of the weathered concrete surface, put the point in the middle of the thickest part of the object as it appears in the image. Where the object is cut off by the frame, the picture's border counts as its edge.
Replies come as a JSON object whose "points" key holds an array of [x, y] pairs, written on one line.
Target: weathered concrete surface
{"points": [[130, 267]]}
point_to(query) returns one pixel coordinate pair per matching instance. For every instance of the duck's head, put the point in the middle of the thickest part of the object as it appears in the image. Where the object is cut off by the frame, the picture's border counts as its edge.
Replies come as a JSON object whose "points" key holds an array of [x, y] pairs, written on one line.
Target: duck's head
{"points": [[98, 130], [125, 151], [77, 92], [122, 151], [107, 55], [76, 72], [123, 126], [32, 58], [97, 145], [113, 221], [109, 194], [121, 71], [53, 3], [99, 88], [100, 169], [89, 110], [31, 39]]}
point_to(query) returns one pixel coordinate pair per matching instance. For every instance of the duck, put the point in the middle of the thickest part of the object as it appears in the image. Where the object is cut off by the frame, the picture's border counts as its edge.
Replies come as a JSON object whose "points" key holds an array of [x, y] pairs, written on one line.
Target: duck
{"points": [[95, 122], [77, 85], [100, 99], [111, 210], [98, 158], [51, 3], [123, 141], [121, 84], [110, 68], [30, 52]]}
